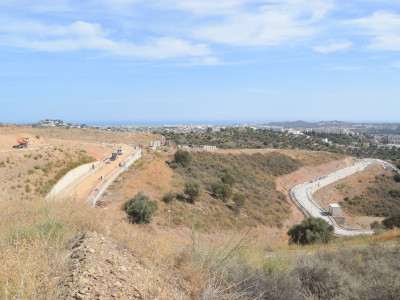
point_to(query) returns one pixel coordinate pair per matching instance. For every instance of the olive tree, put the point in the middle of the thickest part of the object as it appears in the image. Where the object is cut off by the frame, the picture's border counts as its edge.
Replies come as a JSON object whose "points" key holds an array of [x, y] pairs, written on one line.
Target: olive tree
{"points": [[184, 158], [310, 231], [140, 209], [193, 190]]}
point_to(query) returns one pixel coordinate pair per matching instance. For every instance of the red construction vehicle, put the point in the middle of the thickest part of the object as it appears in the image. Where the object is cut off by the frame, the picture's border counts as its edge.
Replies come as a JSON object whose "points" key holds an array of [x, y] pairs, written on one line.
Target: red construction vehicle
{"points": [[22, 143]]}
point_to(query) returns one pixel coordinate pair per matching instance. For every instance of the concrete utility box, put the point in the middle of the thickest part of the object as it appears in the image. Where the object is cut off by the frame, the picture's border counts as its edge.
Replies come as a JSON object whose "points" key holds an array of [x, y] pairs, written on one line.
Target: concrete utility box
{"points": [[335, 210]]}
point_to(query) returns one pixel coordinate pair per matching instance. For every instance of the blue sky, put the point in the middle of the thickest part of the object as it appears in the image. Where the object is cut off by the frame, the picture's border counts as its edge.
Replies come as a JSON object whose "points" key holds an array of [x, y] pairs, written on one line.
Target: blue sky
{"points": [[169, 61]]}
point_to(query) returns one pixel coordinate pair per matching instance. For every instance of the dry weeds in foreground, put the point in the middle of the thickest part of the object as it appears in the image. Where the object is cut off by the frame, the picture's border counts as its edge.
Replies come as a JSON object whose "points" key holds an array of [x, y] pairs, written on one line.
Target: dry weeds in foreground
{"points": [[33, 235]]}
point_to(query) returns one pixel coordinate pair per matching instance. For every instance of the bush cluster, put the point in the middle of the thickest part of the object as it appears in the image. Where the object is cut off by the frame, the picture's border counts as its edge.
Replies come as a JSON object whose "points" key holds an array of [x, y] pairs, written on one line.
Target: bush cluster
{"points": [[183, 158], [311, 231], [140, 209], [193, 190]]}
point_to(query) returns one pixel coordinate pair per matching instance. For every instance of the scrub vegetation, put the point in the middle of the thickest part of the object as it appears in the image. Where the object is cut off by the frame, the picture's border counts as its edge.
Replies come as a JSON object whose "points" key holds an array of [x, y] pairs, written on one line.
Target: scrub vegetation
{"points": [[380, 199], [360, 146], [223, 176]]}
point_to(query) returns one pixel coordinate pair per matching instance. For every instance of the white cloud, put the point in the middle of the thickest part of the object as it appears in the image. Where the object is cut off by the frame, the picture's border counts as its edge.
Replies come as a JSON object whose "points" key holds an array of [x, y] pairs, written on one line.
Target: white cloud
{"points": [[396, 64], [333, 46], [269, 23], [383, 27], [238, 22], [88, 36]]}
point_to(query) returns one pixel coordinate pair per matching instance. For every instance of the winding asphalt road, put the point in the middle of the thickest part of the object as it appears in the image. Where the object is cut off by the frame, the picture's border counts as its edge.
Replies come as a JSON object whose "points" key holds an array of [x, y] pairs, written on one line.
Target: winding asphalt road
{"points": [[302, 194]]}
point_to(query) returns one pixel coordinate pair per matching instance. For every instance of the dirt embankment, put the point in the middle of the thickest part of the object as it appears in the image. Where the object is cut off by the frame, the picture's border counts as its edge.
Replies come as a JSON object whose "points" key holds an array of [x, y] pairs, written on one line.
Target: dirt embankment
{"points": [[7, 141], [286, 182], [98, 268]]}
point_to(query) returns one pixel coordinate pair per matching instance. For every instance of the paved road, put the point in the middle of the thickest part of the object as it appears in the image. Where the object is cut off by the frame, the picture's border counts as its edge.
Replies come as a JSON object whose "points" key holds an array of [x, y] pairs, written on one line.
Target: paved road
{"points": [[302, 194], [82, 186], [102, 185]]}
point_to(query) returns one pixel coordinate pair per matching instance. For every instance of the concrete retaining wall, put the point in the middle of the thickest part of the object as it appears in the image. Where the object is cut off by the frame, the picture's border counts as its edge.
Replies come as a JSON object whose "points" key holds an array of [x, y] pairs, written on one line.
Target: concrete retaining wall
{"points": [[69, 178], [135, 155]]}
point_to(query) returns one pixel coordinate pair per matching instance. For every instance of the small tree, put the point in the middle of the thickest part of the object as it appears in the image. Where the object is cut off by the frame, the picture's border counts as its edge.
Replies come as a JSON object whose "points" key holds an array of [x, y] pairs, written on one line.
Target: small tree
{"points": [[229, 179], [193, 190], [392, 221], [168, 197], [377, 226], [396, 177], [395, 193], [239, 200], [140, 209], [184, 158], [310, 231], [222, 191]]}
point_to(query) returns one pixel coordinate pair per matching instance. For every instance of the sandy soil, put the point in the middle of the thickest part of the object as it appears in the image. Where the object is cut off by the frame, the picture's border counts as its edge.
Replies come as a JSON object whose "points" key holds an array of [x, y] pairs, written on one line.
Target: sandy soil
{"points": [[83, 189], [7, 141]]}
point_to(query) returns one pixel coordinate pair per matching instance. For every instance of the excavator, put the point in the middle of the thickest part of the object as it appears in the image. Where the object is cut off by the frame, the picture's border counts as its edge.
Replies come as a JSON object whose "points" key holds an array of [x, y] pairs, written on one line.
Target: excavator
{"points": [[22, 143]]}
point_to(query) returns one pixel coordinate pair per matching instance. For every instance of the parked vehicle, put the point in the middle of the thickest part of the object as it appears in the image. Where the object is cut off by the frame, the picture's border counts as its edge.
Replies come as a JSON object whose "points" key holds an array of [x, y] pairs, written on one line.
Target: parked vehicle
{"points": [[120, 151]]}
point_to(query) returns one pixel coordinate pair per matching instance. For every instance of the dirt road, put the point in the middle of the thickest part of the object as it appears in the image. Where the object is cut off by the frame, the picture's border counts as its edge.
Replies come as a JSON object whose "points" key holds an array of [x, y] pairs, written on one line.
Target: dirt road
{"points": [[82, 186]]}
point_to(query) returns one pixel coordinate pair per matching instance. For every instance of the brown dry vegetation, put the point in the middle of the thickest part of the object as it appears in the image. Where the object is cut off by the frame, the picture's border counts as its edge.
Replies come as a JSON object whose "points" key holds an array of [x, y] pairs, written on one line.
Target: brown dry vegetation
{"points": [[95, 135], [152, 176], [28, 174], [42, 254]]}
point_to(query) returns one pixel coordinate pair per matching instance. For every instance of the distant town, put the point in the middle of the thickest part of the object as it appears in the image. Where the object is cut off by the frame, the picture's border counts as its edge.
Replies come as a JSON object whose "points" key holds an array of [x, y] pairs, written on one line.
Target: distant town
{"points": [[387, 134]]}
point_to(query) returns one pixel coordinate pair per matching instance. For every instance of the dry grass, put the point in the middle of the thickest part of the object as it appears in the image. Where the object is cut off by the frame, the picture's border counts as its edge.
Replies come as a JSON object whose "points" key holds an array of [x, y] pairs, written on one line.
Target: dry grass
{"points": [[33, 235], [28, 174]]}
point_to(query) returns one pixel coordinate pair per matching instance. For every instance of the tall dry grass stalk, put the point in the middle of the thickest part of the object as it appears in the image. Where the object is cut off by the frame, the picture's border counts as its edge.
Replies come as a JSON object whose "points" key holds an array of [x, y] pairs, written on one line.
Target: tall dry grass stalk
{"points": [[32, 237]]}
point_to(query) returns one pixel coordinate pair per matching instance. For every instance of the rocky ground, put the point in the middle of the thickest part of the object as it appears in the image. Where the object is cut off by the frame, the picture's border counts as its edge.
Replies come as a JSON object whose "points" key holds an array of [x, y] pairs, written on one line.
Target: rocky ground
{"points": [[96, 268]]}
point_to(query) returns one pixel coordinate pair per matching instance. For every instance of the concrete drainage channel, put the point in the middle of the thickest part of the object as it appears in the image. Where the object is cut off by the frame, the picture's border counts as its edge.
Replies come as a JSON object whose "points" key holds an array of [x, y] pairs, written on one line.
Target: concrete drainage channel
{"points": [[302, 194], [105, 182]]}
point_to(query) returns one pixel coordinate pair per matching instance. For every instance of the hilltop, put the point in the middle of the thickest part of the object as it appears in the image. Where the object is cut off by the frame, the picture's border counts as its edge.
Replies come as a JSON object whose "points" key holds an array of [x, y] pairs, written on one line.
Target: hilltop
{"points": [[212, 248]]}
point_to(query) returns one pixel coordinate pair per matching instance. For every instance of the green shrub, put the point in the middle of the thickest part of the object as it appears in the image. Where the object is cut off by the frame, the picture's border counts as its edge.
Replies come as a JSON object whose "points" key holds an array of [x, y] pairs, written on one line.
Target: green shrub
{"points": [[168, 197], [396, 177], [46, 188], [310, 231], [392, 221], [222, 191], [395, 193], [193, 190], [239, 200], [184, 158], [140, 209], [377, 226], [229, 179]]}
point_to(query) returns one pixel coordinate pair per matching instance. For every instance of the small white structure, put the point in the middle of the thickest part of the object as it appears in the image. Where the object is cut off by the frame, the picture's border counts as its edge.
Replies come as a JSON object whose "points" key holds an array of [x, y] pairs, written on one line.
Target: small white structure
{"points": [[335, 210], [155, 144], [209, 147]]}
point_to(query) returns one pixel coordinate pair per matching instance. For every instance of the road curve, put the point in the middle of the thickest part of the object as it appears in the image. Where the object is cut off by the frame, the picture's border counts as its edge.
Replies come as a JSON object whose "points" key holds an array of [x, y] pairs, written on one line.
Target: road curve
{"points": [[302, 194]]}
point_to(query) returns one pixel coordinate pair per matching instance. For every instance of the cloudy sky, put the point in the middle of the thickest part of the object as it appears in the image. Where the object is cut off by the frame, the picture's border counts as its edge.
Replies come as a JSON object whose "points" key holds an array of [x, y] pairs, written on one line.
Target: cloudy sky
{"points": [[168, 61]]}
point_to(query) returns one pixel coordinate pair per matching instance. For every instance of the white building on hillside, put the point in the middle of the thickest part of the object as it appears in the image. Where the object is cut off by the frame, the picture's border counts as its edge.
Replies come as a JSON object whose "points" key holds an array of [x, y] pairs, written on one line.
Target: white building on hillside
{"points": [[209, 147]]}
